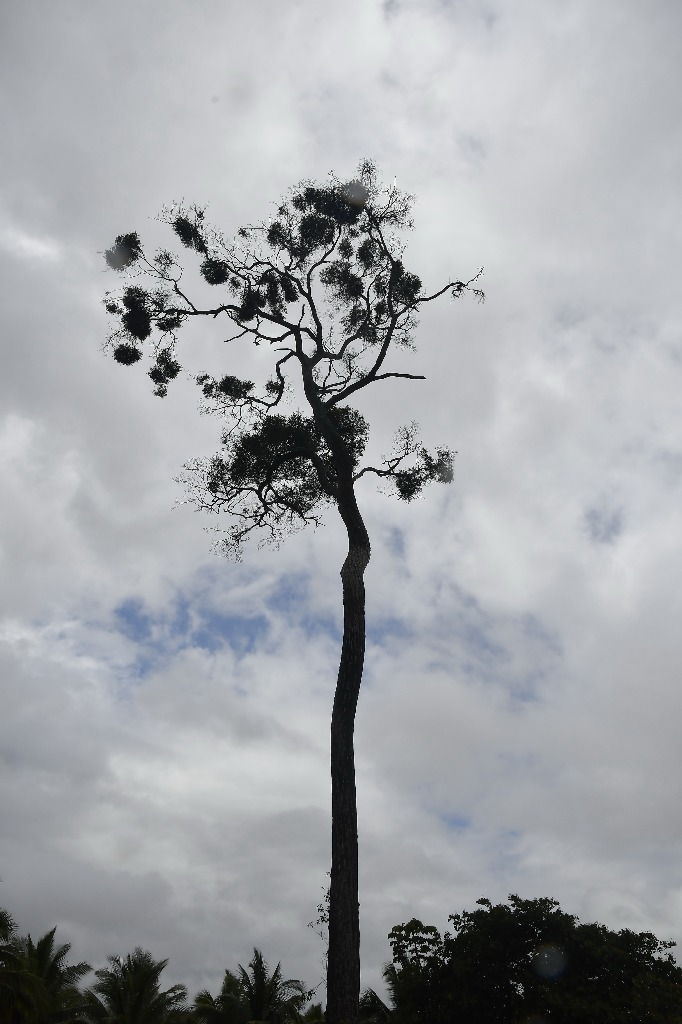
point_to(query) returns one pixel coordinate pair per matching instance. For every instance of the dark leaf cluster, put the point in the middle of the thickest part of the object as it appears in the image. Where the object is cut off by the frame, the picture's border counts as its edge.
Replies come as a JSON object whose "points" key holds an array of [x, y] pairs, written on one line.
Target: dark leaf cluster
{"points": [[285, 460], [286, 497], [190, 231], [215, 271], [346, 285], [404, 287], [289, 289], [137, 318], [127, 354], [165, 369], [353, 428], [279, 237], [411, 482], [315, 230], [139, 311], [363, 321], [124, 252], [277, 289], [315, 220], [331, 203], [367, 253], [227, 387], [169, 320], [252, 301], [278, 438]]}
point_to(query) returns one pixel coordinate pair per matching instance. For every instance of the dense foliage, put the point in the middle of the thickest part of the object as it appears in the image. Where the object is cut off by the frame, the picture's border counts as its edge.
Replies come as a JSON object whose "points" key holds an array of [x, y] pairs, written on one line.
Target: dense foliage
{"points": [[39, 986], [527, 962]]}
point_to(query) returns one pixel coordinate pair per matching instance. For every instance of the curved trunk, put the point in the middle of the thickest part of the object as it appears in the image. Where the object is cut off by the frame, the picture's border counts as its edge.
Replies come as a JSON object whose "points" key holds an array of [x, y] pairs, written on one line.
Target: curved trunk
{"points": [[343, 970]]}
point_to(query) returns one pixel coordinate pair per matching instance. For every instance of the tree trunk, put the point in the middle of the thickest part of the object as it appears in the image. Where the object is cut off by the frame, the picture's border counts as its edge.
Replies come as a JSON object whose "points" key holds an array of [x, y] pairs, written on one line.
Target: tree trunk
{"points": [[343, 969]]}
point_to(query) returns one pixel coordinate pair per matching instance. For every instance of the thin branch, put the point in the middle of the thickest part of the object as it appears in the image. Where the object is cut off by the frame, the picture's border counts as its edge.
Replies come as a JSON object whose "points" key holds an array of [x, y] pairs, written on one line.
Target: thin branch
{"points": [[367, 379], [457, 287], [236, 336]]}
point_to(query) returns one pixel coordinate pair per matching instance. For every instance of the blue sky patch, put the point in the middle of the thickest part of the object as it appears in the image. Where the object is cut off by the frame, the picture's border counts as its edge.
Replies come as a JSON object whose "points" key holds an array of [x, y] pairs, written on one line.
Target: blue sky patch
{"points": [[455, 822], [390, 628], [242, 633], [133, 620], [187, 624], [290, 598]]}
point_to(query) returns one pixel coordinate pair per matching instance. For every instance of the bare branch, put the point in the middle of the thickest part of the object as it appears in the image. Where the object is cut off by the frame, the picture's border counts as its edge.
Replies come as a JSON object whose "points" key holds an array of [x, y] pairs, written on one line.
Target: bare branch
{"points": [[457, 288]]}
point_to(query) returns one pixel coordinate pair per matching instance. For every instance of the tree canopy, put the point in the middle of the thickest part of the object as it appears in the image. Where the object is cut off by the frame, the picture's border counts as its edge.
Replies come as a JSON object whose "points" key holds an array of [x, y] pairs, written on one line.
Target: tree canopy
{"points": [[128, 991], [324, 284], [252, 995], [528, 961]]}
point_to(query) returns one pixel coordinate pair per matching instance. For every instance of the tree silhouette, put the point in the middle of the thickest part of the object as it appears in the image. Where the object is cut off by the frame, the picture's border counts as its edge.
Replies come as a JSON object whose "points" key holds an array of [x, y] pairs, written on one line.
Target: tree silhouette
{"points": [[228, 1007], [270, 997], [22, 994], [128, 992], [48, 962], [324, 285], [253, 997], [529, 961]]}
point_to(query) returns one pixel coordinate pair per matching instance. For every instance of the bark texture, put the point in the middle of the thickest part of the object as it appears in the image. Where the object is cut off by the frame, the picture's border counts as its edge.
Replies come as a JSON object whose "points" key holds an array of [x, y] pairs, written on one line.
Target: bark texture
{"points": [[343, 975]]}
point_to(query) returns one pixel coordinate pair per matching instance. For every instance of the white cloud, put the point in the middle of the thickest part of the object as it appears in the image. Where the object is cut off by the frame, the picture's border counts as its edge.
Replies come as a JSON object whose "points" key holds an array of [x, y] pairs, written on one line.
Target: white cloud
{"points": [[27, 246]]}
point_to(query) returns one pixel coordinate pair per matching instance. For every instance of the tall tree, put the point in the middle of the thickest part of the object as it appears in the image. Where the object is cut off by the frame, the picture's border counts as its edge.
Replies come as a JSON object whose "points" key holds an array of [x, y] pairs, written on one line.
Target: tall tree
{"points": [[323, 284], [128, 992]]}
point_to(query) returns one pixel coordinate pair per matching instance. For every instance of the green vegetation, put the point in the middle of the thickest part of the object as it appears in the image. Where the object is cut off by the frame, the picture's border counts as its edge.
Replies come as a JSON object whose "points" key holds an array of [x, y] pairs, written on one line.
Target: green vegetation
{"points": [[36, 983], [128, 992], [525, 962], [38, 986]]}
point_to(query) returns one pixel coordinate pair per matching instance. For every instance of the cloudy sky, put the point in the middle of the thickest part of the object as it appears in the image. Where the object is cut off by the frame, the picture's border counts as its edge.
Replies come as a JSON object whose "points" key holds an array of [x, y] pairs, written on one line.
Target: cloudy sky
{"points": [[164, 726]]}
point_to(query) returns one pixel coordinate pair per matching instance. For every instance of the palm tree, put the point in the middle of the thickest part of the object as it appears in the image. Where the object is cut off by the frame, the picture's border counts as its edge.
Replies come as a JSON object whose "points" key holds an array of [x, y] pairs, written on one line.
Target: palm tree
{"points": [[271, 999], [253, 997], [47, 962], [22, 994], [229, 1007], [128, 992], [373, 1010]]}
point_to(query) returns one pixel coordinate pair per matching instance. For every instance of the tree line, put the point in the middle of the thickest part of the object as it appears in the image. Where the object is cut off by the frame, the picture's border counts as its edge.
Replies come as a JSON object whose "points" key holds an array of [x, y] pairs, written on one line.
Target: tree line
{"points": [[38, 985], [520, 962]]}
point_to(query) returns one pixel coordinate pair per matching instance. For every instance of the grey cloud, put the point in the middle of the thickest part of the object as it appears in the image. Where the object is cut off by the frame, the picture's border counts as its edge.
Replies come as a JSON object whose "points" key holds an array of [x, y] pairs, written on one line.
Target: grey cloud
{"points": [[522, 664]]}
